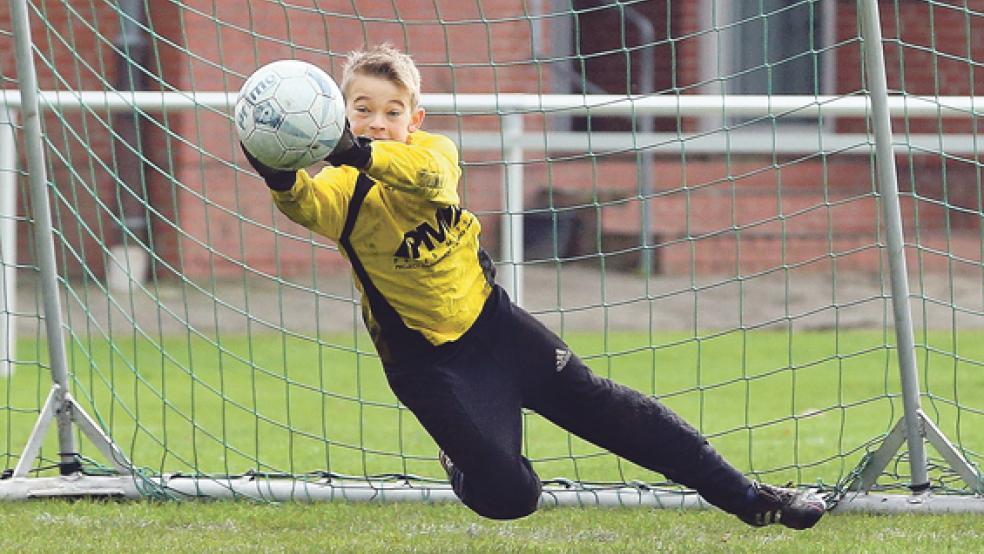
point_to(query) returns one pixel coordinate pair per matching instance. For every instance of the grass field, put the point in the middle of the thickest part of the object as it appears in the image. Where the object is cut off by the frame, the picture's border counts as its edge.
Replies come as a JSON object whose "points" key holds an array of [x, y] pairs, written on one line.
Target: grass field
{"points": [[781, 406], [243, 527]]}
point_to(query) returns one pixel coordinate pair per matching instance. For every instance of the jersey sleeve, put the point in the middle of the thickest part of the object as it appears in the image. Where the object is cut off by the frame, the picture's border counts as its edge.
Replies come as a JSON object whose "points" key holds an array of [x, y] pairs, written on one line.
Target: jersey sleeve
{"points": [[427, 166], [319, 203]]}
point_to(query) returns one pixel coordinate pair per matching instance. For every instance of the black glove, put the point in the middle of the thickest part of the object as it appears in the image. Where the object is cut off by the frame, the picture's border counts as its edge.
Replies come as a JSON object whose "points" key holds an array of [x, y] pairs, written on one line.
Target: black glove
{"points": [[351, 150], [277, 179]]}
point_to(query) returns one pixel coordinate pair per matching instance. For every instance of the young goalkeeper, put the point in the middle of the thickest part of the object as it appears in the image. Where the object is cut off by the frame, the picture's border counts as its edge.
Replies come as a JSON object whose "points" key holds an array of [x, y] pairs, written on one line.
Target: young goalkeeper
{"points": [[456, 351]]}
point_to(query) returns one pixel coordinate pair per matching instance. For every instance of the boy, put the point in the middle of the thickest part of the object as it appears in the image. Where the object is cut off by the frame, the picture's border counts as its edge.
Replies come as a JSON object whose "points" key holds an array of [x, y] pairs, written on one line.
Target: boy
{"points": [[455, 350]]}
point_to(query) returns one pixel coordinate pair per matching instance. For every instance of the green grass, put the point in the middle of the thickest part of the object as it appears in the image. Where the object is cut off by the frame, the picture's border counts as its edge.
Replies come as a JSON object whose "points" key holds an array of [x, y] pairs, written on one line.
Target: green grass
{"points": [[781, 406], [338, 527]]}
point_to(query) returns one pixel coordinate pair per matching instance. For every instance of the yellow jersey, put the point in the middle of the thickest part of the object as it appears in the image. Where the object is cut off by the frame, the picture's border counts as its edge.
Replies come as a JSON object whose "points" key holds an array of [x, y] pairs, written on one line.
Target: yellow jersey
{"points": [[416, 244]]}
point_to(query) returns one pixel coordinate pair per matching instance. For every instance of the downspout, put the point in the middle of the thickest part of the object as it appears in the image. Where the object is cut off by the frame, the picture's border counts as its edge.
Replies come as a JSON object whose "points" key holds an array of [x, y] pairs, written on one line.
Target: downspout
{"points": [[130, 253], [647, 86]]}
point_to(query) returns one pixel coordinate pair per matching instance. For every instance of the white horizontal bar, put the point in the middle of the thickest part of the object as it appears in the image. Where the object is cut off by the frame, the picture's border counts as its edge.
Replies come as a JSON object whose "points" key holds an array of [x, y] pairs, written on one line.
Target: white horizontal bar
{"points": [[913, 504], [764, 141], [566, 104], [704, 105], [322, 490], [286, 490]]}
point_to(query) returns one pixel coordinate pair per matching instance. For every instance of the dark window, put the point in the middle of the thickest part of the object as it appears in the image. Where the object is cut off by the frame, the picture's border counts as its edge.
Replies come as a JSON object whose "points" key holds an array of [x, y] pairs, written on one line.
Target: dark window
{"points": [[778, 47], [621, 48]]}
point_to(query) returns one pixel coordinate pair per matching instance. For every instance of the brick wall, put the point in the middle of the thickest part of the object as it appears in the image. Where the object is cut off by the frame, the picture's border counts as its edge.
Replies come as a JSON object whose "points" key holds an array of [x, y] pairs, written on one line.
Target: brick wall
{"points": [[209, 218], [81, 176], [929, 49], [475, 52]]}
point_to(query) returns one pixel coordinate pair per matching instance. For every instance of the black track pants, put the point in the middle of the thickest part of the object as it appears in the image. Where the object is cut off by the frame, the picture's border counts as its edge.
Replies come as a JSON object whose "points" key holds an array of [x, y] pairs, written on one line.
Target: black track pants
{"points": [[469, 398]]}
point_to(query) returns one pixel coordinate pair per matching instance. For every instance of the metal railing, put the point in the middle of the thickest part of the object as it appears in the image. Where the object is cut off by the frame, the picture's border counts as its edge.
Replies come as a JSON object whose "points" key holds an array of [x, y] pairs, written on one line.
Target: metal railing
{"points": [[514, 141]]}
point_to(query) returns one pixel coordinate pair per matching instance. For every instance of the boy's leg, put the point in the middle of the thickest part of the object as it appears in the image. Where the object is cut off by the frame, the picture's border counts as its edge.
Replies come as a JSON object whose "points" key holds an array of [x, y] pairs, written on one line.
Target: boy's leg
{"points": [[472, 409], [637, 427], [641, 429]]}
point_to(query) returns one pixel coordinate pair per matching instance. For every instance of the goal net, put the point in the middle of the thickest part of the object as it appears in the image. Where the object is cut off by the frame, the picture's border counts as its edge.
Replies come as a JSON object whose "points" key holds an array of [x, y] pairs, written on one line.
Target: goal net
{"points": [[687, 192]]}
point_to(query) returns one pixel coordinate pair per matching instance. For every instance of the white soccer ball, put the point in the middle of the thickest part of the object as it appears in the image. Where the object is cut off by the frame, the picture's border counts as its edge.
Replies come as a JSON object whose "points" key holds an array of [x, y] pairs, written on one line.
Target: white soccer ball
{"points": [[289, 114]]}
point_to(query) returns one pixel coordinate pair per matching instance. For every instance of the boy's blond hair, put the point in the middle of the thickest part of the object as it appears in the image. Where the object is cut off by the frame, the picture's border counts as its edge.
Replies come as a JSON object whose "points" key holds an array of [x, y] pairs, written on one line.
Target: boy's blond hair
{"points": [[385, 62]]}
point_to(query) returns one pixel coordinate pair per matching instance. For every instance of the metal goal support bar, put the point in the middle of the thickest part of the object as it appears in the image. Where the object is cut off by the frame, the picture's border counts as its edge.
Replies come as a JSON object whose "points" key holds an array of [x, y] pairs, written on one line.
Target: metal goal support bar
{"points": [[28, 102]]}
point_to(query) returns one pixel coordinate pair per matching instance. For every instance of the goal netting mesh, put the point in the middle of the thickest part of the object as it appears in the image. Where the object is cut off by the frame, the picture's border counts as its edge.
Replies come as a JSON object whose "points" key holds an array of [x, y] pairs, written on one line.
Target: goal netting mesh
{"points": [[731, 262]]}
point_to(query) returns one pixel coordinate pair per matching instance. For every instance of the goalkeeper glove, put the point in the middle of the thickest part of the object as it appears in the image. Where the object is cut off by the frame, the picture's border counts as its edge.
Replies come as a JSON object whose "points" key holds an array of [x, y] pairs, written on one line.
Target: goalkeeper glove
{"points": [[351, 150], [277, 179]]}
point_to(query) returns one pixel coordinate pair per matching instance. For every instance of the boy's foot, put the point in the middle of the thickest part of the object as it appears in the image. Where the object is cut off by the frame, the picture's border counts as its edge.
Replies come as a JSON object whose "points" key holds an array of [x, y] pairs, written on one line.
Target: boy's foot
{"points": [[793, 508]]}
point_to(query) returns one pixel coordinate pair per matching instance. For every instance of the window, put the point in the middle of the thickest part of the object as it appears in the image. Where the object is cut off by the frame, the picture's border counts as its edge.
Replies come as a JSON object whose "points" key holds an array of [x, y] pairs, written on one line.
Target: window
{"points": [[621, 48], [778, 47]]}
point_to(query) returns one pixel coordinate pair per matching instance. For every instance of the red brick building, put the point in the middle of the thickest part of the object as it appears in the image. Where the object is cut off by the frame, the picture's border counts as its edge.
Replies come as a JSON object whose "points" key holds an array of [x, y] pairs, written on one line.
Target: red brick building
{"points": [[726, 212]]}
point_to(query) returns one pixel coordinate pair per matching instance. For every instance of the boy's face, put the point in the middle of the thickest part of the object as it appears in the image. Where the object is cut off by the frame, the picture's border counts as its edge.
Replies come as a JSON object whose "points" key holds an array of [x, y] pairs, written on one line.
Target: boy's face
{"points": [[380, 109]]}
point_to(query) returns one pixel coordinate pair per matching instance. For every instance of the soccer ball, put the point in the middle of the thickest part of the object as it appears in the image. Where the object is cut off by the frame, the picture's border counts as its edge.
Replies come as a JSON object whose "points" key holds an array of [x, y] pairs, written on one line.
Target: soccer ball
{"points": [[289, 114]]}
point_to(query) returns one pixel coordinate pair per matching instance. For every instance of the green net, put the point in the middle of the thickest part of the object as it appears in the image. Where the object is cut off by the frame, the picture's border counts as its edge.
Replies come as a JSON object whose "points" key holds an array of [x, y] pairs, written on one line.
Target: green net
{"points": [[728, 256]]}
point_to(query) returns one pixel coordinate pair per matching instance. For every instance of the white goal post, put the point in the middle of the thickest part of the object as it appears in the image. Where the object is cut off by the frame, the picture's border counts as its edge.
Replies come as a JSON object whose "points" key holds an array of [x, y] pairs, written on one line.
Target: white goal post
{"points": [[8, 242]]}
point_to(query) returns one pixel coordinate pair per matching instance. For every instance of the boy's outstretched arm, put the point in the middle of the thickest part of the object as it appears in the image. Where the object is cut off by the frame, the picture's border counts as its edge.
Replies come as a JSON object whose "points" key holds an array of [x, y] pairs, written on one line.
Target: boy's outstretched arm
{"points": [[319, 208], [427, 166]]}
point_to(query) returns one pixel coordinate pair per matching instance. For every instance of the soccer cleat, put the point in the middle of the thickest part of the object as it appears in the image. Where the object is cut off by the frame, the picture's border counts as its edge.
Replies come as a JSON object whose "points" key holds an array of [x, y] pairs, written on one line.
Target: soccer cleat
{"points": [[446, 463], [793, 508]]}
